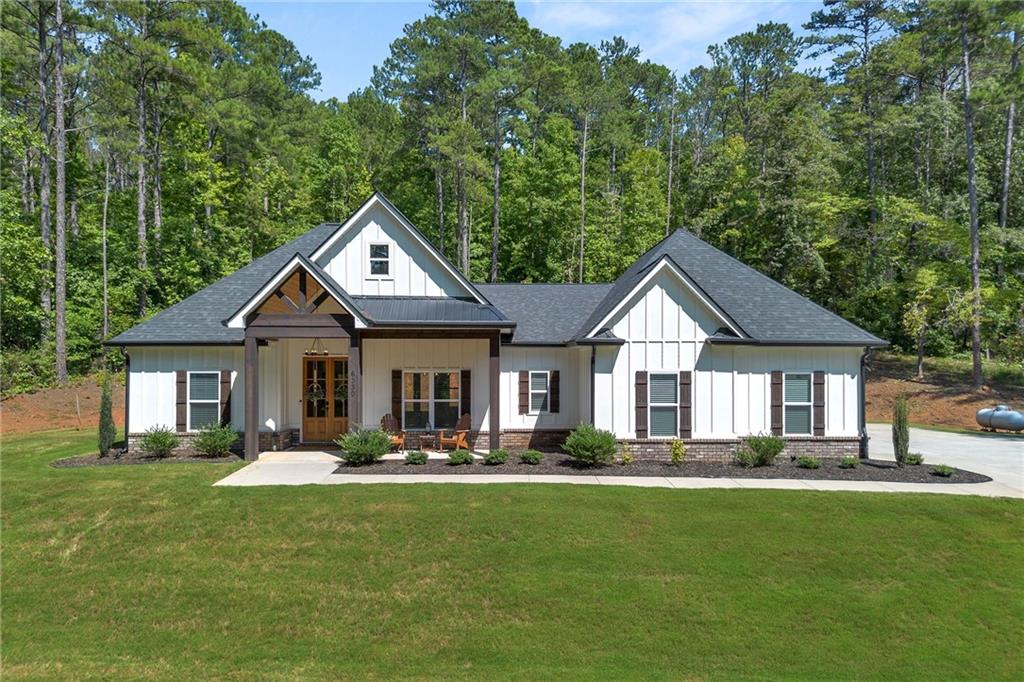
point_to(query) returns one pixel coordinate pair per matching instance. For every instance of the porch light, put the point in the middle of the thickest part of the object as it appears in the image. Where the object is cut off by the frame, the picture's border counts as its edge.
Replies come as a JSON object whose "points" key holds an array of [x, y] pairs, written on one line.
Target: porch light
{"points": [[315, 348]]}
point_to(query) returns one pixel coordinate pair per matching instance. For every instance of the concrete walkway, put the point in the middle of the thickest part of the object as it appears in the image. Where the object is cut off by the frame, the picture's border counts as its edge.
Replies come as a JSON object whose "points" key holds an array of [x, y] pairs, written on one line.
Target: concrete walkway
{"points": [[316, 468]]}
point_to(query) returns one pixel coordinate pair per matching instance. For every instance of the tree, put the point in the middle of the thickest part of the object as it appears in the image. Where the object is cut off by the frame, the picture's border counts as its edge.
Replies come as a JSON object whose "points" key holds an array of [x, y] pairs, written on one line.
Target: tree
{"points": [[107, 431]]}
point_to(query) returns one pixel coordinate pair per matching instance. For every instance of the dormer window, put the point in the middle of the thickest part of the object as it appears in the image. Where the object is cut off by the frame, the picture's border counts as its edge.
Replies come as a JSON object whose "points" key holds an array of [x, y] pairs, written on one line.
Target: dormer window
{"points": [[380, 261]]}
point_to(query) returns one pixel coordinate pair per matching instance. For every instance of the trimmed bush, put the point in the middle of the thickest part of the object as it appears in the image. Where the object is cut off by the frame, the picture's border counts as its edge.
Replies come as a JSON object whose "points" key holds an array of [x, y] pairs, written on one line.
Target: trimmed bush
{"points": [[901, 430], [760, 451], [499, 456], [363, 446], [591, 446], [942, 470], [159, 441], [215, 440], [678, 450], [808, 462], [460, 457], [848, 463], [915, 459], [531, 456], [108, 432], [627, 455], [415, 457]]}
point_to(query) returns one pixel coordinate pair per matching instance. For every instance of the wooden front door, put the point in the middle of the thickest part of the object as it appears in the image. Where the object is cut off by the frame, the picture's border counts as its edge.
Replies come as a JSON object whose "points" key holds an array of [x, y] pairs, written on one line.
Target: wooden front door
{"points": [[324, 398]]}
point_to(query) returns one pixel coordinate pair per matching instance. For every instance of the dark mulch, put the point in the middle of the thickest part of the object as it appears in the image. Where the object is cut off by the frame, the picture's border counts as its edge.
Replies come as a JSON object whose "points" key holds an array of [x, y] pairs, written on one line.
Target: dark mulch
{"points": [[556, 463], [111, 459]]}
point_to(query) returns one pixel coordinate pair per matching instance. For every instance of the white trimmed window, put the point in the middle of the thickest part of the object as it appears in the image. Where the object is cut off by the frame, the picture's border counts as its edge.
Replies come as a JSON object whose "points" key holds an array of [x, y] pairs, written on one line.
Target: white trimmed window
{"points": [[796, 400], [380, 261], [663, 405], [203, 399], [430, 399], [540, 392]]}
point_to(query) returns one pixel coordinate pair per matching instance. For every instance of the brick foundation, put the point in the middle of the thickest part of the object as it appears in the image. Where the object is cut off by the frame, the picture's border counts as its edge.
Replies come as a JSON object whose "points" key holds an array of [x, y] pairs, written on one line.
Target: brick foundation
{"points": [[269, 440], [724, 450]]}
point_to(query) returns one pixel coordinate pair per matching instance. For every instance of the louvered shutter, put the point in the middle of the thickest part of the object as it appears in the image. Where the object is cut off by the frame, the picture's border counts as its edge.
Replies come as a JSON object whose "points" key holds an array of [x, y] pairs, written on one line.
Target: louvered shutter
{"points": [[181, 401], [819, 403], [396, 394], [776, 408], [641, 405], [524, 392], [466, 393], [225, 397], [553, 391], [685, 405]]}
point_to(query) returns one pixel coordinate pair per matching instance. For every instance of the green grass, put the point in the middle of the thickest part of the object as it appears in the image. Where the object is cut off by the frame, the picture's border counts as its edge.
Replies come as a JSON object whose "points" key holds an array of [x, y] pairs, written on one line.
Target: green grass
{"points": [[957, 368], [147, 571]]}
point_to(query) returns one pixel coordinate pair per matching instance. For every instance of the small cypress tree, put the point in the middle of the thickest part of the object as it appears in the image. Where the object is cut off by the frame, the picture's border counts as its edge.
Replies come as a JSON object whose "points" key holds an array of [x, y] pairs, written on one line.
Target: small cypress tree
{"points": [[108, 432], [901, 431]]}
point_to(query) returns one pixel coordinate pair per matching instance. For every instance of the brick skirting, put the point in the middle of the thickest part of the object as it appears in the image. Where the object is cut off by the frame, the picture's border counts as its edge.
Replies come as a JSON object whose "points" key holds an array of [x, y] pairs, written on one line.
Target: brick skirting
{"points": [[724, 450], [269, 440]]}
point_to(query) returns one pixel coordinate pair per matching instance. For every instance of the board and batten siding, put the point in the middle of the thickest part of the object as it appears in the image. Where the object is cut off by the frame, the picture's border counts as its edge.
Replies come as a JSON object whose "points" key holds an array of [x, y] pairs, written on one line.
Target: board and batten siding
{"points": [[573, 366], [665, 327], [414, 270]]}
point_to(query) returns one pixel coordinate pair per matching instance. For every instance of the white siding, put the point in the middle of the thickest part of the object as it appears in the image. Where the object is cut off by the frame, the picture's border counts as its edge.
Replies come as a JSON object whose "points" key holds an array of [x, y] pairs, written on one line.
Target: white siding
{"points": [[415, 271], [573, 365]]}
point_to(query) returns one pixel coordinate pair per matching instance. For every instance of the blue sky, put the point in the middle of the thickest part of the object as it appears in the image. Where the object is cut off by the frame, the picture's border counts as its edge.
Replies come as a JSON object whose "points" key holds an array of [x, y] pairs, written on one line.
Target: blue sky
{"points": [[346, 39]]}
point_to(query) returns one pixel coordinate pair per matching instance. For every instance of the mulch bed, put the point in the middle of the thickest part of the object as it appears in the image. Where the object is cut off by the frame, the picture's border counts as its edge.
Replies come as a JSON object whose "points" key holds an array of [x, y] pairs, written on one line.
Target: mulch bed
{"points": [[111, 460], [560, 464]]}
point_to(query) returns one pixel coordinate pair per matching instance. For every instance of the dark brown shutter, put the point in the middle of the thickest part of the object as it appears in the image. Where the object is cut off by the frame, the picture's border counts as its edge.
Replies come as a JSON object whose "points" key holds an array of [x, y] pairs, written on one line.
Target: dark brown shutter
{"points": [[396, 394], [553, 402], [819, 403], [641, 405], [524, 392], [777, 403], [181, 402], [685, 405], [467, 393], [225, 397]]}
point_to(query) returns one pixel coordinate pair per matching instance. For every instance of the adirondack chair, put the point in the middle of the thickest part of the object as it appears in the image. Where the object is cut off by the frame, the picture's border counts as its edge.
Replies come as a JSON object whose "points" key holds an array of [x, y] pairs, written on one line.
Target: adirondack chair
{"points": [[459, 440], [391, 426]]}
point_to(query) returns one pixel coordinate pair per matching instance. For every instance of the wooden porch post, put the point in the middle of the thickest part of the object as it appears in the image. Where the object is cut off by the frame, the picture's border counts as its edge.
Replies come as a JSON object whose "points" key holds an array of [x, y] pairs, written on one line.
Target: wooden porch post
{"points": [[355, 380], [494, 427], [252, 408]]}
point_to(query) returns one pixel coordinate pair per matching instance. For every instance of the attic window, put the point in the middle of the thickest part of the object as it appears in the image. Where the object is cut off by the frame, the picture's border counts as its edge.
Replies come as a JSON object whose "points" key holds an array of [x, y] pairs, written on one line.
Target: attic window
{"points": [[380, 261]]}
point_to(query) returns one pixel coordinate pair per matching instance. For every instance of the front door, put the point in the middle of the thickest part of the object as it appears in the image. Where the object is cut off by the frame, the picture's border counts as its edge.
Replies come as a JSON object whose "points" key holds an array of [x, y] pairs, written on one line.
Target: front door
{"points": [[324, 398]]}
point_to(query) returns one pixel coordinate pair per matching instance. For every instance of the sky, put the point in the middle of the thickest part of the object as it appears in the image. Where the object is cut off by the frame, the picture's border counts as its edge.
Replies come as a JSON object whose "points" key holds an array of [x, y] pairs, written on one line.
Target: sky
{"points": [[346, 39]]}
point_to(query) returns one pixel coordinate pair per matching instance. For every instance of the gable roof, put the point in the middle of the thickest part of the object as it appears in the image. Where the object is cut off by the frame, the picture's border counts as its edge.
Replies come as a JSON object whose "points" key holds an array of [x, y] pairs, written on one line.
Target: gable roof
{"points": [[546, 314], [765, 311]]}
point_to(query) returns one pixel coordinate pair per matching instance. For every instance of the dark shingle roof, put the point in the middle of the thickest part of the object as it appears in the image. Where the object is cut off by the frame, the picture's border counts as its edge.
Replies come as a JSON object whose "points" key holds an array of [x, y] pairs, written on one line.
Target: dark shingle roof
{"points": [[764, 310], [422, 309], [545, 313]]}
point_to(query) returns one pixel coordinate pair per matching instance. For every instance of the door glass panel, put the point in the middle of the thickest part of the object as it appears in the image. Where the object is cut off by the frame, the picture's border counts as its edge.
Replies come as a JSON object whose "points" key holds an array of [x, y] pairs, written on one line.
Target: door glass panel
{"points": [[340, 402], [315, 390]]}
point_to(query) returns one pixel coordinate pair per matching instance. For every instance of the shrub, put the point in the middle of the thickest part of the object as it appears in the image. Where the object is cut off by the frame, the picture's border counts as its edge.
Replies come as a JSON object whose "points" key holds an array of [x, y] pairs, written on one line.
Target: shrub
{"points": [[760, 451], [108, 432], [362, 446], [848, 463], [159, 441], [499, 456], [531, 457], [460, 457], [678, 450], [942, 470], [590, 445], [915, 459], [627, 455], [808, 462], [900, 430], [215, 440], [415, 457]]}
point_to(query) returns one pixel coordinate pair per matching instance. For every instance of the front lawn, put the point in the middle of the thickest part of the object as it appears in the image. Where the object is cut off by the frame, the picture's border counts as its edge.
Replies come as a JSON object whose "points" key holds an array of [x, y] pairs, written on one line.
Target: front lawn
{"points": [[147, 571]]}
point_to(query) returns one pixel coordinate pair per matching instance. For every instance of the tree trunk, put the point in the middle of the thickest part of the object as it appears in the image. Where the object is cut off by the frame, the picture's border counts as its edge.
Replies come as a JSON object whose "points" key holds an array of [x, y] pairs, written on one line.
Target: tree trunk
{"points": [[106, 203], [61, 357], [671, 150], [463, 202], [583, 191], [439, 197], [972, 197], [140, 215], [870, 137], [496, 208], [1004, 197], [158, 200], [44, 173], [920, 351]]}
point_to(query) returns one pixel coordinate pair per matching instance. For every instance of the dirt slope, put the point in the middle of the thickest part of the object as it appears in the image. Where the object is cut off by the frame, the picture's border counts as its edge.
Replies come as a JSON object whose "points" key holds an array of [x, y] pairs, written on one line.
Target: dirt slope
{"points": [[55, 408]]}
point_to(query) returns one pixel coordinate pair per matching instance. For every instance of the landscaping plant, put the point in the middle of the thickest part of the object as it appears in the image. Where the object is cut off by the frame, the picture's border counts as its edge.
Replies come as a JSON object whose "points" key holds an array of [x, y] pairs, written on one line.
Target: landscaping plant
{"points": [[415, 457], [760, 451], [678, 451], [942, 470], [363, 446], [460, 457], [159, 441], [591, 446], [900, 430], [531, 456], [915, 459], [215, 440], [808, 462], [848, 463], [499, 456], [627, 455], [108, 432]]}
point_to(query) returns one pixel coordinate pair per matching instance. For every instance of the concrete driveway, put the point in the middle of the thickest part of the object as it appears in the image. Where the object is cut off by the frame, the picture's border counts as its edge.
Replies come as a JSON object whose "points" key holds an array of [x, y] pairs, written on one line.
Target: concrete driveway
{"points": [[1000, 456]]}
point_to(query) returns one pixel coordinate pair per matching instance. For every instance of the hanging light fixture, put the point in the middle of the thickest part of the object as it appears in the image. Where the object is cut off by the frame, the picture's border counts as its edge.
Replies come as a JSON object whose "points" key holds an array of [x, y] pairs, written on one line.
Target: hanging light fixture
{"points": [[315, 348]]}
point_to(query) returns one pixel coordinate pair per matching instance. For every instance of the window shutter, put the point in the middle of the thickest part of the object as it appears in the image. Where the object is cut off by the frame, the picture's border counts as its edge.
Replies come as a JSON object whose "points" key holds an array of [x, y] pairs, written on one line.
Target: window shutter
{"points": [[396, 394], [776, 414], [819, 404], [641, 405], [181, 402], [466, 393], [553, 404], [685, 405], [524, 392], [225, 397]]}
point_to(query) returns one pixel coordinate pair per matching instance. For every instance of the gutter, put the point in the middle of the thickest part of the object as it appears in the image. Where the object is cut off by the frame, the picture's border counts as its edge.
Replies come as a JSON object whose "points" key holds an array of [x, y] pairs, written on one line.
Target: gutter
{"points": [[719, 341], [861, 410]]}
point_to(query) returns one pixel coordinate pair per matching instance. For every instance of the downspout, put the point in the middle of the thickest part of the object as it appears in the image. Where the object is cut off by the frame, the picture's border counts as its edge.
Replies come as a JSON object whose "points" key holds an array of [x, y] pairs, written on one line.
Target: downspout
{"points": [[593, 362], [862, 421], [127, 402]]}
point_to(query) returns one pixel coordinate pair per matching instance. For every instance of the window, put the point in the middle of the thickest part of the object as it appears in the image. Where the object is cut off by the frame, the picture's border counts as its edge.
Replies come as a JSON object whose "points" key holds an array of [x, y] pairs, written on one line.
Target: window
{"points": [[539, 392], [796, 397], [380, 261], [663, 405], [430, 400], [203, 399]]}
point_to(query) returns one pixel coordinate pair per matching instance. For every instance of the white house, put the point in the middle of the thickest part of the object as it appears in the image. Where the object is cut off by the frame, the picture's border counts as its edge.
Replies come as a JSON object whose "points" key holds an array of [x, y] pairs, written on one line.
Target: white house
{"points": [[351, 322]]}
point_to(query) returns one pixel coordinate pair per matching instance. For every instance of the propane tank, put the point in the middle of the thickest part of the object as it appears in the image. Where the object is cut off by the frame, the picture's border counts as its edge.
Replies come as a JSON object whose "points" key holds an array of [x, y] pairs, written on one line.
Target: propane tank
{"points": [[1000, 417]]}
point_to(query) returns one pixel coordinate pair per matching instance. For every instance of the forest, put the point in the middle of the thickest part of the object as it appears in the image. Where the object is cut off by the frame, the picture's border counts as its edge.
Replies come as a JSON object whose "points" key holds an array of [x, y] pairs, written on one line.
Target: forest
{"points": [[150, 147]]}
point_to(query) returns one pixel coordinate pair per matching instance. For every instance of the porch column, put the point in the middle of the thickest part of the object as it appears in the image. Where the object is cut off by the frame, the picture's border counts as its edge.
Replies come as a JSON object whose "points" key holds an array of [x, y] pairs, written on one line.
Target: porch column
{"points": [[355, 380], [252, 407], [494, 427]]}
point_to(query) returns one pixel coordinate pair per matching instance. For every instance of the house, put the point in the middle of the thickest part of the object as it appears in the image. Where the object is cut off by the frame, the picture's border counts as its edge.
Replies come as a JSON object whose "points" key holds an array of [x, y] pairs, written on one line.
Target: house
{"points": [[350, 322]]}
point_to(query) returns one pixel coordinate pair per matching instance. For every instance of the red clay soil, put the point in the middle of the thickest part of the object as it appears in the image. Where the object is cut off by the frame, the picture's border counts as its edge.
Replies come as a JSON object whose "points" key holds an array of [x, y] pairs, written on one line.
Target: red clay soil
{"points": [[939, 399], [55, 408]]}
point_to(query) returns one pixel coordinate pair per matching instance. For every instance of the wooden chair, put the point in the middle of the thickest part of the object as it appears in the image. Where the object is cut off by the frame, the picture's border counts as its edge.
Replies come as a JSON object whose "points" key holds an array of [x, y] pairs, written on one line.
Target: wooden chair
{"points": [[390, 425], [459, 440]]}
